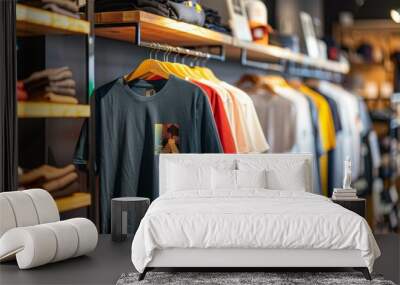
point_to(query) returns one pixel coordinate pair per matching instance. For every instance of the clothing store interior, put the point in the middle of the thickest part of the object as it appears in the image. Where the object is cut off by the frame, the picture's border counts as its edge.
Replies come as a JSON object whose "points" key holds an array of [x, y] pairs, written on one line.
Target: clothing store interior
{"points": [[275, 158]]}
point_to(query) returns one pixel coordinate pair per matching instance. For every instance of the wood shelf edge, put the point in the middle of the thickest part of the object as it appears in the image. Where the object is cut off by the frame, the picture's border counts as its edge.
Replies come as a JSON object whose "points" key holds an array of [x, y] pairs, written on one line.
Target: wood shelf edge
{"points": [[159, 22], [39, 20], [52, 110], [75, 201]]}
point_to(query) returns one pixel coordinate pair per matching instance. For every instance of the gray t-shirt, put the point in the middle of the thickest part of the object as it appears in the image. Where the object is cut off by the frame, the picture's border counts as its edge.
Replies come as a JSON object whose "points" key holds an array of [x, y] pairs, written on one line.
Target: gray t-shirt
{"points": [[278, 119], [135, 123]]}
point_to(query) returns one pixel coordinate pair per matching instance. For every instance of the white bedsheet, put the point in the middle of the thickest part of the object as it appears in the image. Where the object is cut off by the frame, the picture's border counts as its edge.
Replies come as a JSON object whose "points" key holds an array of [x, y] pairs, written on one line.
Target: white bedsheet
{"points": [[250, 218]]}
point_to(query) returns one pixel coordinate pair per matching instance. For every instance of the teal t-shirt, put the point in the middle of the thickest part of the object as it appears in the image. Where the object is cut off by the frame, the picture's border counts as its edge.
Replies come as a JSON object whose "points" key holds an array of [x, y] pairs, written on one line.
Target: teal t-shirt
{"points": [[137, 121]]}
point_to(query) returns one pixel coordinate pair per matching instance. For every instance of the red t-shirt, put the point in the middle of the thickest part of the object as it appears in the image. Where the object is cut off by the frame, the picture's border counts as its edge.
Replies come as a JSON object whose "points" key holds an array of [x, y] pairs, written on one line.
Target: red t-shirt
{"points": [[220, 117]]}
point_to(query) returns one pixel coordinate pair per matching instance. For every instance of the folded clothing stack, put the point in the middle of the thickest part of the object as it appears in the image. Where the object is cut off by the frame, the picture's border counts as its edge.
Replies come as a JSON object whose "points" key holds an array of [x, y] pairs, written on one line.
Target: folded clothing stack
{"points": [[159, 7], [54, 85], [182, 10], [65, 7], [59, 182], [344, 194], [22, 95], [213, 21]]}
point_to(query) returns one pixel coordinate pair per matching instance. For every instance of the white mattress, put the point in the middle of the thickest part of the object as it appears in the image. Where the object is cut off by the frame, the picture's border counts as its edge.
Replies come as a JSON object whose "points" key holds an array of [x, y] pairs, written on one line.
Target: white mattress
{"points": [[253, 218]]}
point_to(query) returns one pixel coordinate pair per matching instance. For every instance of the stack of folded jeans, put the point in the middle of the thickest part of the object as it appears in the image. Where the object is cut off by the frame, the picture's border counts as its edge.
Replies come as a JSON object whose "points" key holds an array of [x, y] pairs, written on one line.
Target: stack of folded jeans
{"points": [[53, 85], [65, 7], [59, 182], [213, 21]]}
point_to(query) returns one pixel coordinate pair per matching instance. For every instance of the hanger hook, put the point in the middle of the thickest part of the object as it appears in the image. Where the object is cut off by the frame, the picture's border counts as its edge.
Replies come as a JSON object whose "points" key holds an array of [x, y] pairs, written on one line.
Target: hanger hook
{"points": [[170, 52], [164, 53], [155, 51], [152, 47], [167, 53], [176, 56], [198, 60]]}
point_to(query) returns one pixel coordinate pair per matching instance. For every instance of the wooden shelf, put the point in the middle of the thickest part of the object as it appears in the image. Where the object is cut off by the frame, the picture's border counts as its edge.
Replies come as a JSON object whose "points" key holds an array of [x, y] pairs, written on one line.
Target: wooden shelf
{"points": [[75, 201], [156, 29], [52, 110], [33, 21], [120, 26]]}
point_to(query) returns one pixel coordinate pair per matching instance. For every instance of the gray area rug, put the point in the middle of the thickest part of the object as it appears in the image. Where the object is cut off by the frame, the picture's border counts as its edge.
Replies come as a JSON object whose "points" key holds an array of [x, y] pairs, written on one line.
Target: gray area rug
{"points": [[243, 278]]}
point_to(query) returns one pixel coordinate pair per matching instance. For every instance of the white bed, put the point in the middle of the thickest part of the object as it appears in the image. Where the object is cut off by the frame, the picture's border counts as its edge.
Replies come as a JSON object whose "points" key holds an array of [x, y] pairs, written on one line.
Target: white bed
{"points": [[248, 227]]}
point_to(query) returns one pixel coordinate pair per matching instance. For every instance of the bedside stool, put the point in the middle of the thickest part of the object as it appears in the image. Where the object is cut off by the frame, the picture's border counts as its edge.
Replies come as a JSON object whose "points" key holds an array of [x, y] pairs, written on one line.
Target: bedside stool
{"points": [[126, 214], [356, 205]]}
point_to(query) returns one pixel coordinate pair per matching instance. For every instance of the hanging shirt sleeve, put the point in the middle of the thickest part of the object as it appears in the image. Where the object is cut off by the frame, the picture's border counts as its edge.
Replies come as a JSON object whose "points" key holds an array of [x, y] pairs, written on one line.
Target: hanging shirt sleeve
{"points": [[210, 142]]}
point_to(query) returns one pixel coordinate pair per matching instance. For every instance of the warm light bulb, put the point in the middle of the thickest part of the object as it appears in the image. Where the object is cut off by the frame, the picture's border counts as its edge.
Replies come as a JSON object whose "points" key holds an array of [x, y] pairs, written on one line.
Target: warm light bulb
{"points": [[395, 14]]}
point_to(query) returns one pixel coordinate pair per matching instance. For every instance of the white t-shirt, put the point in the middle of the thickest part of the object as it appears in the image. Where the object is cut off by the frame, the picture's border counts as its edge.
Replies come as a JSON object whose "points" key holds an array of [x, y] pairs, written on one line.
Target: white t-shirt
{"points": [[351, 125]]}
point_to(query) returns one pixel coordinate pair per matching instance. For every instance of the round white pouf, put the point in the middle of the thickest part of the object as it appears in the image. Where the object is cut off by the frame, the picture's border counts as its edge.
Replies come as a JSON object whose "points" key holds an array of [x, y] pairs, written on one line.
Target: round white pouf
{"points": [[46, 207], [7, 218], [23, 208], [40, 244]]}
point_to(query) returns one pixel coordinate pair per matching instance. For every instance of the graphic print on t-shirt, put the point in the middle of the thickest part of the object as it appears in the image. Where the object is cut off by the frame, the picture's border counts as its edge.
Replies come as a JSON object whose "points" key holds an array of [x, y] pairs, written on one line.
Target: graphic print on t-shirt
{"points": [[166, 138]]}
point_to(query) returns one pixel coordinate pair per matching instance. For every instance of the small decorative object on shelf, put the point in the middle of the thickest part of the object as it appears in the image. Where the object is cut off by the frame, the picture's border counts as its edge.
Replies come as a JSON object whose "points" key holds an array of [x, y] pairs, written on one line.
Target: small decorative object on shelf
{"points": [[347, 174], [126, 214], [346, 193]]}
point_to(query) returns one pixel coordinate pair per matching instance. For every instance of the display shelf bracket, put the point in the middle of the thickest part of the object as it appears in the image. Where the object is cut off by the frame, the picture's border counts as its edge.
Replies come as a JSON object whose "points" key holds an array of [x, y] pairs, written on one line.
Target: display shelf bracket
{"points": [[245, 61]]}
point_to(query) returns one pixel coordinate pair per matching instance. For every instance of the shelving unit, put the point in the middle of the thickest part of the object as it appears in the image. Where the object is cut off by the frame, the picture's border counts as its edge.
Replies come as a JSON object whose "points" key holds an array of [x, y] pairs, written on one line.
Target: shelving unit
{"points": [[33, 21], [30, 22], [74, 201], [52, 110], [382, 35], [153, 28]]}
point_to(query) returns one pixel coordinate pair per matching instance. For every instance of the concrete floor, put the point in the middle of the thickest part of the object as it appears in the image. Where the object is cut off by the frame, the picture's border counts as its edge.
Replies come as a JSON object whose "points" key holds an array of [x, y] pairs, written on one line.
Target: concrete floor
{"points": [[110, 260]]}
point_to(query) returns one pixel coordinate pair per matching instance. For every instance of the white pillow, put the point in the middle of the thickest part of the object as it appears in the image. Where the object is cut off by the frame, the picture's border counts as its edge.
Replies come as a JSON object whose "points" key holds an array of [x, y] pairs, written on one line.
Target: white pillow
{"points": [[251, 178], [181, 177], [280, 180], [224, 179], [282, 173]]}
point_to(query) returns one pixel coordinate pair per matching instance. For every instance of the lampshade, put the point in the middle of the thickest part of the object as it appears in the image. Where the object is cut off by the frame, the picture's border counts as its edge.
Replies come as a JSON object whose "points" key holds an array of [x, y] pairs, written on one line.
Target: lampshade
{"points": [[395, 14]]}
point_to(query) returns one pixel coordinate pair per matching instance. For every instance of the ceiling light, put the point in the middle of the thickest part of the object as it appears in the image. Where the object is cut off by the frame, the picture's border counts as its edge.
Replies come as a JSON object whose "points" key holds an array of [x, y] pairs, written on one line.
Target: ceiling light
{"points": [[395, 14]]}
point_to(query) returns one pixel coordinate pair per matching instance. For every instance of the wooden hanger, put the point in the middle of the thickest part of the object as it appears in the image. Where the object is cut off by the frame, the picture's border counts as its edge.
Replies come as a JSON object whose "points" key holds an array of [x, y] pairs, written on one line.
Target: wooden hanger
{"points": [[252, 79], [295, 83], [274, 80], [256, 81], [150, 67], [146, 68]]}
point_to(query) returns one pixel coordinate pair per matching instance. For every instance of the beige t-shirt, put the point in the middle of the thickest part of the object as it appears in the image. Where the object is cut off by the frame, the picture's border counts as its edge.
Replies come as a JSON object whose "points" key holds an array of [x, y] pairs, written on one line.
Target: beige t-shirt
{"points": [[253, 131]]}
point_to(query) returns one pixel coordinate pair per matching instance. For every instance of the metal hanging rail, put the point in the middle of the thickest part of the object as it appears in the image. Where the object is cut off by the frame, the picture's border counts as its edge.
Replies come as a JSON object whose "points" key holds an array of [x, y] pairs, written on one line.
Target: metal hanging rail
{"points": [[176, 50]]}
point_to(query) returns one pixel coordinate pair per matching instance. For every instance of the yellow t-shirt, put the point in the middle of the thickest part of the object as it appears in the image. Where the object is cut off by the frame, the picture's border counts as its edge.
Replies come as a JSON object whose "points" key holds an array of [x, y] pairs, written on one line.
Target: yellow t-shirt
{"points": [[326, 130]]}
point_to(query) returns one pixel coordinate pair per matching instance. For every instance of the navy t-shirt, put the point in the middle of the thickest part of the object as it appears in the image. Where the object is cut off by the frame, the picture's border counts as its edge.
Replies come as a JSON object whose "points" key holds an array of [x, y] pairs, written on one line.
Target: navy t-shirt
{"points": [[134, 123]]}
